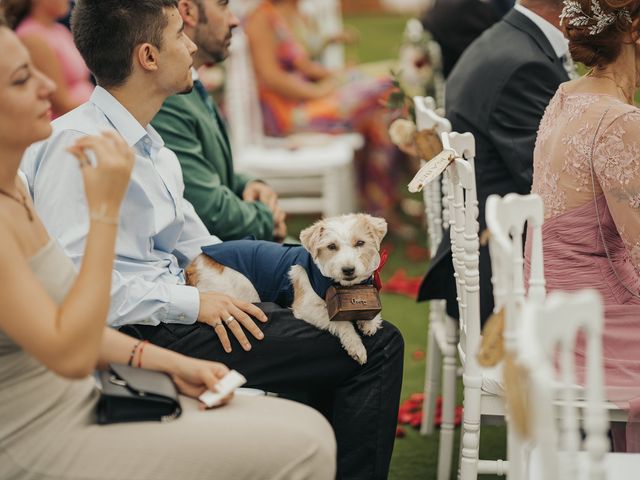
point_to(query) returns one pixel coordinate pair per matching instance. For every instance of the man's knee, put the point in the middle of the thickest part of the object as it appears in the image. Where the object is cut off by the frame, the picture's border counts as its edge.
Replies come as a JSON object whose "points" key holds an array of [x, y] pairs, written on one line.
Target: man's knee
{"points": [[390, 340]]}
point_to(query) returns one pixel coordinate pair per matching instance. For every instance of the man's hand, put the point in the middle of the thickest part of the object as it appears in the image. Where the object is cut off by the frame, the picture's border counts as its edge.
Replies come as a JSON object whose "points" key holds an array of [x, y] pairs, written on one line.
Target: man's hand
{"points": [[261, 192], [222, 312], [258, 191], [279, 231]]}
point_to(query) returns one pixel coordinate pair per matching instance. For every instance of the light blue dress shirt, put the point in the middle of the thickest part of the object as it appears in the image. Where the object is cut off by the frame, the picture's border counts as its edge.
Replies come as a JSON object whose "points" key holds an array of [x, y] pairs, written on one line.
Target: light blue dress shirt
{"points": [[159, 232]]}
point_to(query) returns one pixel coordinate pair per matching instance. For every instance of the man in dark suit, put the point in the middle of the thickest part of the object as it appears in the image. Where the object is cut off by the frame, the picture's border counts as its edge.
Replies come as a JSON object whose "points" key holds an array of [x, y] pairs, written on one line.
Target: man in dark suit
{"points": [[498, 91], [454, 24]]}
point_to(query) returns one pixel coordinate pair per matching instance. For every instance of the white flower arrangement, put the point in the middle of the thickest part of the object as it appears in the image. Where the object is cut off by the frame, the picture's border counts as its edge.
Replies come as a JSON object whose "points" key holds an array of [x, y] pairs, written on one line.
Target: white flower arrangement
{"points": [[402, 131], [575, 16]]}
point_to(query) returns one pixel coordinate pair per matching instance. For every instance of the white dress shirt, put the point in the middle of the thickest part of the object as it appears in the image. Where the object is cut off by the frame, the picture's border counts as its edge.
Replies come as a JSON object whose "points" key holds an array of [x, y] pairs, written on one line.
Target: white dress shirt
{"points": [[159, 232], [556, 38]]}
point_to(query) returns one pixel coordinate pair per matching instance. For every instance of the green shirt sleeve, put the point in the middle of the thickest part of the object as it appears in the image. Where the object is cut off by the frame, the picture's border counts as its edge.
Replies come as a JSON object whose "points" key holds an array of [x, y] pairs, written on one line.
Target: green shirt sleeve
{"points": [[204, 168]]}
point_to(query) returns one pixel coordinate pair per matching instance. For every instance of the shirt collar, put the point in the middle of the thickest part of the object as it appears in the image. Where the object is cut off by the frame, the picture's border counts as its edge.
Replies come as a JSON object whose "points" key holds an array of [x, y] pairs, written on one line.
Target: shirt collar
{"points": [[194, 74], [122, 120], [557, 40]]}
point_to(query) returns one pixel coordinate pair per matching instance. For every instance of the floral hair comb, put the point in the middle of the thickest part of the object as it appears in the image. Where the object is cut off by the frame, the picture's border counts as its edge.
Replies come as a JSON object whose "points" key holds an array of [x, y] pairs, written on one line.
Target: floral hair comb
{"points": [[597, 21]]}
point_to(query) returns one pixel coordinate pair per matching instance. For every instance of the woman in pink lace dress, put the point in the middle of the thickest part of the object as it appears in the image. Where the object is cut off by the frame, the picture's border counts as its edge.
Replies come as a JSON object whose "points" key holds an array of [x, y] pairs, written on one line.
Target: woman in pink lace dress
{"points": [[587, 170]]}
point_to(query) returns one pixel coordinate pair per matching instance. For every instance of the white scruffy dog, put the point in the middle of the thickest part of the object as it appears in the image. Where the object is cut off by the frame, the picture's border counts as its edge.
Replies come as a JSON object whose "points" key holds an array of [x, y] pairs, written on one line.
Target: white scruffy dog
{"points": [[343, 250]]}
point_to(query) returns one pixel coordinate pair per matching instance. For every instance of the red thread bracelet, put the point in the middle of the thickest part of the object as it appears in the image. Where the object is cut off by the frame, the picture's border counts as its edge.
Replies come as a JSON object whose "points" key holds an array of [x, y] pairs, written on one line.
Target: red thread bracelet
{"points": [[140, 354], [133, 353]]}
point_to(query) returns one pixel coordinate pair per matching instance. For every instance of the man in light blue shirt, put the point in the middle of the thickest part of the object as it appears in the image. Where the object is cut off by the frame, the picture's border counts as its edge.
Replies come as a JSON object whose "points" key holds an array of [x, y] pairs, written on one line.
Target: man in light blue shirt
{"points": [[159, 234]]}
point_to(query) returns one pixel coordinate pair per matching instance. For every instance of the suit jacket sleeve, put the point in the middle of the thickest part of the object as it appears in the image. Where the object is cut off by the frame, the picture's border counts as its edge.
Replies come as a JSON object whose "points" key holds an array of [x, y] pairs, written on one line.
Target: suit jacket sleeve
{"points": [[220, 207], [514, 120]]}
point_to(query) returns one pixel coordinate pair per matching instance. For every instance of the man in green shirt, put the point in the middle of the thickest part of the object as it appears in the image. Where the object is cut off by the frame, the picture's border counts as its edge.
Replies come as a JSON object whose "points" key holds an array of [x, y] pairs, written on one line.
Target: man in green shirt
{"points": [[231, 205]]}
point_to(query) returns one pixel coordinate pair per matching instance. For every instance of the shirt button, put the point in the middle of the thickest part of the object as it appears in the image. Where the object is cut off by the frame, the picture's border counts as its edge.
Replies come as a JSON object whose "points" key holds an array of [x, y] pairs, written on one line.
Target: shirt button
{"points": [[182, 316]]}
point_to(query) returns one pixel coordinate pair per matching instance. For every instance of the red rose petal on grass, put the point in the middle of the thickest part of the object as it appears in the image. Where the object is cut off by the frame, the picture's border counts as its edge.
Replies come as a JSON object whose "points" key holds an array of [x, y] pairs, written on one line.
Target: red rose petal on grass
{"points": [[401, 284], [418, 355], [458, 418], [417, 397], [404, 418], [400, 433], [416, 420]]}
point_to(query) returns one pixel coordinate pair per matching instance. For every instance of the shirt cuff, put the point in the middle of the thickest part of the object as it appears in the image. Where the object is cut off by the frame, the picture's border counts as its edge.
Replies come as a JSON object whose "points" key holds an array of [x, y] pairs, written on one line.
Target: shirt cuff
{"points": [[184, 306]]}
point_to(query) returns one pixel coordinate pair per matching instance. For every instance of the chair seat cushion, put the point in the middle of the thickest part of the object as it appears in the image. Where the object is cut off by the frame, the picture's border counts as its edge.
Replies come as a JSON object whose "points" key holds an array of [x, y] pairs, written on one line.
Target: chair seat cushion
{"points": [[492, 382], [616, 465]]}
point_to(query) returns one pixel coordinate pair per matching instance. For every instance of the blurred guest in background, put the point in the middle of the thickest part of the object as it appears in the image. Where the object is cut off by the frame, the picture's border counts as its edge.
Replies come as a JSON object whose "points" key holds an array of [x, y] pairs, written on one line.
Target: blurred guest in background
{"points": [[231, 205], [298, 95], [52, 49], [454, 24]]}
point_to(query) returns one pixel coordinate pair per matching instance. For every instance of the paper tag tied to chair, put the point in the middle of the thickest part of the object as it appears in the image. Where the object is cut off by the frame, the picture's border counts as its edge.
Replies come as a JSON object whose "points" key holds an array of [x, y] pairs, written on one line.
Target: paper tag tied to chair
{"points": [[431, 170]]}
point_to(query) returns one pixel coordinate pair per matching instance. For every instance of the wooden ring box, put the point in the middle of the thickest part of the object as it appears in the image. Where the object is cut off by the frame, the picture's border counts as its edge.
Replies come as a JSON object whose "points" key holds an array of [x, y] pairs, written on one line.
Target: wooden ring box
{"points": [[352, 304]]}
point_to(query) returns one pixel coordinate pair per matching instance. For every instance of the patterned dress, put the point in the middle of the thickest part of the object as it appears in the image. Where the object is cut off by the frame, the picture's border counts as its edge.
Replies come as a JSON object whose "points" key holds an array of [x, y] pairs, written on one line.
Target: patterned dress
{"points": [[574, 254], [357, 105]]}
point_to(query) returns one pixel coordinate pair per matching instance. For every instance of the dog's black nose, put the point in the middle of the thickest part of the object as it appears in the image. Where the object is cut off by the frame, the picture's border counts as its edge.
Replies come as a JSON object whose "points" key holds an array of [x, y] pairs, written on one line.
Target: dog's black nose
{"points": [[348, 271]]}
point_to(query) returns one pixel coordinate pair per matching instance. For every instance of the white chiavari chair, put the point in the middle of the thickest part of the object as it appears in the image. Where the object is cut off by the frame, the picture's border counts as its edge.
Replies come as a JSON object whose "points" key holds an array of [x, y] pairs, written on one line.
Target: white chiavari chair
{"points": [[443, 331], [507, 218], [545, 346]]}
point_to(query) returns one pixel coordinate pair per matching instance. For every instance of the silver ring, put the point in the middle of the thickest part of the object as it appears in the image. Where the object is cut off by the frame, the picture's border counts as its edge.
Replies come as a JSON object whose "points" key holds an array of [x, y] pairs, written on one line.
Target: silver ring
{"points": [[229, 320], [216, 325]]}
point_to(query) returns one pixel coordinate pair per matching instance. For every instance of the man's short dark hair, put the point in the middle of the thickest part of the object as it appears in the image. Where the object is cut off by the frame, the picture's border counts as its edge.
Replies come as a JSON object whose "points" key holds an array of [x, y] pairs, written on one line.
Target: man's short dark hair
{"points": [[106, 32]]}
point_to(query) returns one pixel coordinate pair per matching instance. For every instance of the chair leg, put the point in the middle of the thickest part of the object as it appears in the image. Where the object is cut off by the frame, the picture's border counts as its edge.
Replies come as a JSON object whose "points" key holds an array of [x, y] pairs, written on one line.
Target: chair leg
{"points": [[470, 437], [348, 177], [449, 380], [432, 373], [332, 195], [445, 452]]}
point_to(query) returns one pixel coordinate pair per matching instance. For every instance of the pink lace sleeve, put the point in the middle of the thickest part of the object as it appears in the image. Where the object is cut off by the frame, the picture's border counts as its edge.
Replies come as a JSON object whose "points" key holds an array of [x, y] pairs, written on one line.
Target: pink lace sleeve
{"points": [[616, 161]]}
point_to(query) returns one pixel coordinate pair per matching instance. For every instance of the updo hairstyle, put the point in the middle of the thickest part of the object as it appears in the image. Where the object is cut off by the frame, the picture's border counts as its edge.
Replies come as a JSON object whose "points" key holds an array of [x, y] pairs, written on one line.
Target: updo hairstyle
{"points": [[596, 40]]}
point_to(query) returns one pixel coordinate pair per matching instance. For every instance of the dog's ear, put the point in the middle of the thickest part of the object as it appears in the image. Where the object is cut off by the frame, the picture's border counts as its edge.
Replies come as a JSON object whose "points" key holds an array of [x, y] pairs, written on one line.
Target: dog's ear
{"points": [[377, 227], [310, 237]]}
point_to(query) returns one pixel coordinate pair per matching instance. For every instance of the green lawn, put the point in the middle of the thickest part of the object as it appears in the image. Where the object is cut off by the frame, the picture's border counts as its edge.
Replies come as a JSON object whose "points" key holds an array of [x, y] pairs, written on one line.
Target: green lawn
{"points": [[415, 457]]}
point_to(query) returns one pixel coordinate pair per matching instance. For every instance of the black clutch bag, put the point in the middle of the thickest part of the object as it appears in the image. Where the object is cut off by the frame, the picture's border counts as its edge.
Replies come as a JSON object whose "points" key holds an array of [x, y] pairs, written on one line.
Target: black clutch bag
{"points": [[136, 395]]}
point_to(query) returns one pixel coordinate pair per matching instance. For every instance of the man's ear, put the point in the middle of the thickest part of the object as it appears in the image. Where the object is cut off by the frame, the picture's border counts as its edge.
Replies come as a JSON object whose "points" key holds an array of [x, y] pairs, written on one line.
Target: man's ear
{"points": [[310, 237], [189, 12], [147, 57]]}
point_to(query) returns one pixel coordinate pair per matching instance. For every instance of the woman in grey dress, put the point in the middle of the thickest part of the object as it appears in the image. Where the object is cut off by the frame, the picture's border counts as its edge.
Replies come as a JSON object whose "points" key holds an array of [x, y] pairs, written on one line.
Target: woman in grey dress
{"points": [[53, 335]]}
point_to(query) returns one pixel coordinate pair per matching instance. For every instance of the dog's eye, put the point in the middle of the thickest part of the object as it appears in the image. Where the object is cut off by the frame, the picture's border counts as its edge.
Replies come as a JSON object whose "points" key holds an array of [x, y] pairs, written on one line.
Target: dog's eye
{"points": [[360, 243], [332, 246]]}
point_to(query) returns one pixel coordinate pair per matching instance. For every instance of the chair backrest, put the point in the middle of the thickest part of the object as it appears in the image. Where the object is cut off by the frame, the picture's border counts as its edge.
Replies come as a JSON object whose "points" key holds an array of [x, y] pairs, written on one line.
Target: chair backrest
{"points": [[436, 207], [506, 220], [546, 344], [328, 16], [465, 244], [241, 96]]}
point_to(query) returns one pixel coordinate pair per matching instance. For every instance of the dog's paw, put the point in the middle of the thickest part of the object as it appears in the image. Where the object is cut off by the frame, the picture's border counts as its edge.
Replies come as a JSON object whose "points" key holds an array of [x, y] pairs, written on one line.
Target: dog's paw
{"points": [[358, 353], [370, 327]]}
